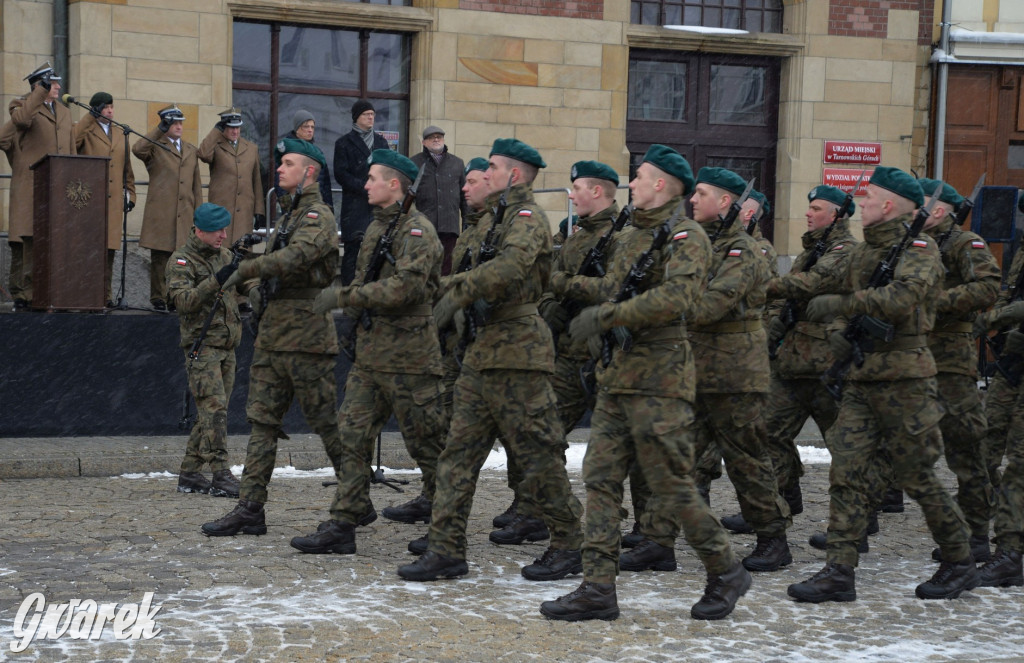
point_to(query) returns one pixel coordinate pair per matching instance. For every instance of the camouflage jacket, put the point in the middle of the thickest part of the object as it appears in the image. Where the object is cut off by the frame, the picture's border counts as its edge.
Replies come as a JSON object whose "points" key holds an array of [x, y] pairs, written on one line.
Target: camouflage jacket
{"points": [[805, 352], [726, 332], [192, 289], [971, 285], [472, 235], [304, 266], [403, 337], [660, 361], [908, 303], [514, 335]]}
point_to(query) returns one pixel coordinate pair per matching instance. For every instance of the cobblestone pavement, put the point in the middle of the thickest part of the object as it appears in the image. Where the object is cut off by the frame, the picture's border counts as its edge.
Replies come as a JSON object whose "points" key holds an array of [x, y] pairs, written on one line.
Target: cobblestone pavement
{"points": [[255, 598]]}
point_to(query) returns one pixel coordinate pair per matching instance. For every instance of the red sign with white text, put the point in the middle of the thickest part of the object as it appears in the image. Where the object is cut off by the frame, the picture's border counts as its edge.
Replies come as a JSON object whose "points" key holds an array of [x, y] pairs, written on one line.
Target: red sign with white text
{"points": [[845, 178], [844, 151]]}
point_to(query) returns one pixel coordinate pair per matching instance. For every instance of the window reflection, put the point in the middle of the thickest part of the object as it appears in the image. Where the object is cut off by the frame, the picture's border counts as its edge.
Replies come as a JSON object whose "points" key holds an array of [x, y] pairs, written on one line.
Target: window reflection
{"points": [[737, 95]]}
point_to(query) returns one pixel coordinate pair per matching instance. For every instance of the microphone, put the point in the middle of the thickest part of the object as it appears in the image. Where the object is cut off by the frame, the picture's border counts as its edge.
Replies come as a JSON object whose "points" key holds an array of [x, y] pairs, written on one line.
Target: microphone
{"points": [[68, 99]]}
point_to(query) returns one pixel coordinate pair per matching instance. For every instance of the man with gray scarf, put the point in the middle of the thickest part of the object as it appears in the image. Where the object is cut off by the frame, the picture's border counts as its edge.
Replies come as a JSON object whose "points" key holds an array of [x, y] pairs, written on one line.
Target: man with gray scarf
{"points": [[351, 171]]}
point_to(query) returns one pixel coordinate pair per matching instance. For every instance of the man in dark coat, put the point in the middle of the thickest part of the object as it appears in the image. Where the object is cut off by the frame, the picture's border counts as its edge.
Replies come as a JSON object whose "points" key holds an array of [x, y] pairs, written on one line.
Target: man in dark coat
{"points": [[440, 197]]}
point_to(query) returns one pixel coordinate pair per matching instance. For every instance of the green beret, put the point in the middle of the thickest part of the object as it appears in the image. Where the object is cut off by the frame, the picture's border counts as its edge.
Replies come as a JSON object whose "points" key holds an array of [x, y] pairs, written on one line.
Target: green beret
{"points": [[671, 162], [518, 150], [761, 198], [832, 194], [392, 159], [947, 195], [298, 146], [563, 225], [723, 179], [210, 217], [477, 163], [593, 169], [899, 182], [101, 99]]}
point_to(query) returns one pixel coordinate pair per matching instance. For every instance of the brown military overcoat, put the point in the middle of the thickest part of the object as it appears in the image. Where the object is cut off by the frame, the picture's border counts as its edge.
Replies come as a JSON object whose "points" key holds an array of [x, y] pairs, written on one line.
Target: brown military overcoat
{"points": [[175, 190], [234, 180], [91, 140]]}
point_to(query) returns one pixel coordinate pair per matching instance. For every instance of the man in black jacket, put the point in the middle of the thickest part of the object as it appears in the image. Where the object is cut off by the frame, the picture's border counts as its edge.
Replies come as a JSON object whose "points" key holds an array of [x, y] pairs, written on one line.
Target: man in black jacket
{"points": [[351, 171], [440, 197]]}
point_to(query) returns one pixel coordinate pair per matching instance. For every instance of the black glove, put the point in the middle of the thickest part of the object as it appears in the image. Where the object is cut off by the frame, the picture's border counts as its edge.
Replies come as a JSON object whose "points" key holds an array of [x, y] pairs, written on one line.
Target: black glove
{"points": [[259, 221], [220, 126], [1014, 342], [97, 110], [164, 126], [554, 314], [776, 332], [45, 82], [225, 273], [129, 205]]}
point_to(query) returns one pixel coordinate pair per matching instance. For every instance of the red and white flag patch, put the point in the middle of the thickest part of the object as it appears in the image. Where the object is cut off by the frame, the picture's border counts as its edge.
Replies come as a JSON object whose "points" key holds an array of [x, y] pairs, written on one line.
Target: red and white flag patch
{"points": [[919, 243], [764, 252], [837, 247], [977, 244], [682, 234], [181, 261], [313, 215], [735, 253], [416, 232], [525, 212]]}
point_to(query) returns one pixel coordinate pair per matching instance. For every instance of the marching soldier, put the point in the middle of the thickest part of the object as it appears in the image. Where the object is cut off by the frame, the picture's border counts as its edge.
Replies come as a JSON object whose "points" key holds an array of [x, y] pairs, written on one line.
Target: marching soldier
{"points": [[234, 173]]}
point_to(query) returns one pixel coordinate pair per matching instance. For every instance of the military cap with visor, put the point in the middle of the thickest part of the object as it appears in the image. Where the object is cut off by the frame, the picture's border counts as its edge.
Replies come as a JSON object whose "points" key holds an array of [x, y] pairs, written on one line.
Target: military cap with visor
{"points": [[231, 117], [172, 114], [43, 72]]}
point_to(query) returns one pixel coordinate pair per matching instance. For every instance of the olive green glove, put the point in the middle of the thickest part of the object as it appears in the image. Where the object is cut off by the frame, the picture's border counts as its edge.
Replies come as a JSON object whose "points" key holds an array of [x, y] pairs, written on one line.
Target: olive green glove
{"points": [[327, 300], [256, 301], [554, 314], [249, 269], [1011, 314], [776, 332], [1014, 342], [824, 308], [841, 348], [233, 280], [980, 326], [444, 310], [586, 324]]}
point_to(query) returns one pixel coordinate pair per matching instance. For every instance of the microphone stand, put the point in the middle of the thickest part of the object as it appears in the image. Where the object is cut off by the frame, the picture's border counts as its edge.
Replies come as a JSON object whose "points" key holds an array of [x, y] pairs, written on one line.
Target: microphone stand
{"points": [[122, 300]]}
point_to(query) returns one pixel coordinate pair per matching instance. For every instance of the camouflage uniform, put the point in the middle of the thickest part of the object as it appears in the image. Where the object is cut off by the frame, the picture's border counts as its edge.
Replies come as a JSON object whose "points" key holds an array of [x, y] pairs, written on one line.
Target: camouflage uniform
{"points": [[503, 388], [644, 412], [398, 359], [971, 284], [730, 348], [295, 352], [192, 288], [796, 391], [890, 403]]}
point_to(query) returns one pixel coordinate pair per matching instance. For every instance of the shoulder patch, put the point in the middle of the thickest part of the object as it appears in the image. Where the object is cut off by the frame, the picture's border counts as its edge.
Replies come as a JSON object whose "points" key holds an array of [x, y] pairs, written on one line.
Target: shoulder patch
{"points": [[735, 253], [682, 234], [919, 243], [977, 244], [313, 215], [837, 247], [764, 252], [525, 212], [181, 261], [416, 232]]}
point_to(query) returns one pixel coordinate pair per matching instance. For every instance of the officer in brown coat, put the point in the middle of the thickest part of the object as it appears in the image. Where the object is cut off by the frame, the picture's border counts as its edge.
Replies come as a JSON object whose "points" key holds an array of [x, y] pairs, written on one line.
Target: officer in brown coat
{"points": [[234, 173], [175, 190], [95, 136], [40, 126]]}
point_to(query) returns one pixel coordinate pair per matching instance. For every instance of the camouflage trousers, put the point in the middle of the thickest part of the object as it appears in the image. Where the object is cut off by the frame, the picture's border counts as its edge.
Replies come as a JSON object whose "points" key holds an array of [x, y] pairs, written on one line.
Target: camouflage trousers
{"points": [[275, 380], [1004, 406], [211, 378], [370, 398], [900, 418], [734, 424], [572, 398], [518, 406], [963, 437], [655, 434], [788, 406]]}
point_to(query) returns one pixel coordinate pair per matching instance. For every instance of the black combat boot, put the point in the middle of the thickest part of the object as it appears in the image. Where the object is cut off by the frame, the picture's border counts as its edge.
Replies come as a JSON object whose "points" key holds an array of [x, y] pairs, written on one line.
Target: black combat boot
{"points": [[247, 517], [554, 564], [721, 593], [364, 520], [591, 600], [794, 498], [634, 538], [431, 566], [225, 484], [892, 501], [414, 511], [648, 555], [820, 542], [419, 546], [505, 519], [737, 524], [194, 482], [704, 490], [333, 536], [522, 528], [1003, 570], [950, 580], [770, 554], [979, 550], [835, 582]]}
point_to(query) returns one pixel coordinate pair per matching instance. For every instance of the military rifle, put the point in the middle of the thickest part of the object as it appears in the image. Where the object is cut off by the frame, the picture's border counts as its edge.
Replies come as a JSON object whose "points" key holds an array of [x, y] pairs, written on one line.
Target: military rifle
{"points": [[238, 251], [961, 214], [724, 223], [789, 310], [593, 264], [630, 288], [863, 330], [1009, 364], [476, 312]]}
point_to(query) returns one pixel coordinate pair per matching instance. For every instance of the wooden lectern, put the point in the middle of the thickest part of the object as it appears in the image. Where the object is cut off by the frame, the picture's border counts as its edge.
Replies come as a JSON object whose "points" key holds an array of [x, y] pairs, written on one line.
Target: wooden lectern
{"points": [[69, 227]]}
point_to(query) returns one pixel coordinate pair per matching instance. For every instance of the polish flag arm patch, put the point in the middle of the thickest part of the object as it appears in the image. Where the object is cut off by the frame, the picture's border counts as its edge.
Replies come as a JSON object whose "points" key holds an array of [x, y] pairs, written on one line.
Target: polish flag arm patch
{"points": [[919, 243], [977, 244], [181, 261], [735, 253], [837, 247], [313, 215], [525, 212], [682, 234], [416, 232]]}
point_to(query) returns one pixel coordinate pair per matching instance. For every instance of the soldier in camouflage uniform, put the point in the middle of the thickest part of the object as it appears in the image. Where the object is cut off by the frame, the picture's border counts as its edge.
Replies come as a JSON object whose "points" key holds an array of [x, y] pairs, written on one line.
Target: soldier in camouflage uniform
{"points": [[1004, 409], [397, 366], [971, 285], [890, 402], [503, 387], [295, 352], [644, 410], [195, 273]]}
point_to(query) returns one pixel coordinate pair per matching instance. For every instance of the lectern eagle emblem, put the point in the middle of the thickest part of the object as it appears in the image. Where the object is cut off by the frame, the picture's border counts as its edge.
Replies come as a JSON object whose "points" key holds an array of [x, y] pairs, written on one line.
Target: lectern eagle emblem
{"points": [[78, 193]]}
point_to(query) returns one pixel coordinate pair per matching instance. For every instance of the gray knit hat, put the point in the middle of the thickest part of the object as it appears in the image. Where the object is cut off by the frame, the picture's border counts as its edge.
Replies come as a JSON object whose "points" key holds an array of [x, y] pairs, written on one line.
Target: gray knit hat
{"points": [[300, 118]]}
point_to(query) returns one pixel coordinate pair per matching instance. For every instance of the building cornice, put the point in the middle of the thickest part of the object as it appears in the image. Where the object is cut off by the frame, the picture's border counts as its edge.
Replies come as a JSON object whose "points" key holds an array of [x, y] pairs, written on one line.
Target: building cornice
{"points": [[348, 14], [756, 43]]}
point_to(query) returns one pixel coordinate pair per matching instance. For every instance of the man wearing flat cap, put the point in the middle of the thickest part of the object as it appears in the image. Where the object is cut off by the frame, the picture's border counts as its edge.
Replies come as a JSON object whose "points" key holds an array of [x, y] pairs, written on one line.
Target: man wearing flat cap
{"points": [[234, 174], [970, 286], [731, 352], [175, 190], [644, 413], [440, 196], [397, 368], [296, 349], [196, 274], [889, 403], [304, 127], [94, 137], [503, 388], [39, 125], [351, 170]]}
